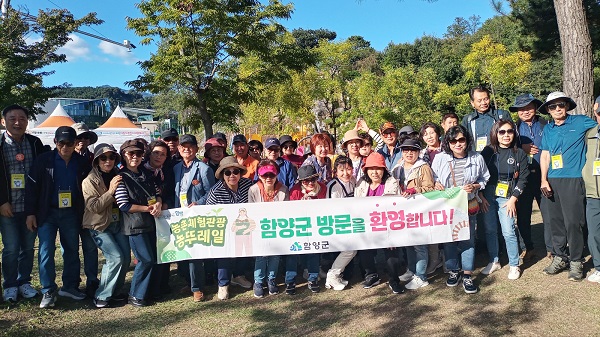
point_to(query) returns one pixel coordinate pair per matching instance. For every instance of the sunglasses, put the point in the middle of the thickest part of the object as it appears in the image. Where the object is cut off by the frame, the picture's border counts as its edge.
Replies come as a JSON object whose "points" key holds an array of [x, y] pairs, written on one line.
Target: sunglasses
{"points": [[461, 140], [287, 147], [554, 106], [509, 131], [67, 144], [135, 153], [255, 149], [171, 139], [86, 137], [235, 172], [110, 157], [268, 176]]}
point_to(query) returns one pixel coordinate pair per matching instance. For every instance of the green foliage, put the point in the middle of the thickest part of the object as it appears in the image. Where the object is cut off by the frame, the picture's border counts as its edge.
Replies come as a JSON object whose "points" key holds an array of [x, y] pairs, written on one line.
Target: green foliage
{"points": [[310, 38]]}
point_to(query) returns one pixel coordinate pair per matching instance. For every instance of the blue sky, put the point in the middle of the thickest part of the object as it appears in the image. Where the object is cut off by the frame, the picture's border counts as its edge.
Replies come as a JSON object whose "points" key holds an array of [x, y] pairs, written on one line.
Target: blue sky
{"points": [[93, 63]]}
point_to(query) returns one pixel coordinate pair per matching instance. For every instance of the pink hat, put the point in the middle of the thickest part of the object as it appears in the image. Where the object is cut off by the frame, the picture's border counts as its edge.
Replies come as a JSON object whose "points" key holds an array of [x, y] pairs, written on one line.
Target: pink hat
{"points": [[267, 169], [375, 159]]}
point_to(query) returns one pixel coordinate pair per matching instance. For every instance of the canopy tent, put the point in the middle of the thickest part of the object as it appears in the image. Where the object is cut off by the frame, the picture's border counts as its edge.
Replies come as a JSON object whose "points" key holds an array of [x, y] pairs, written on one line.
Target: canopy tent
{"points": [[45, 131], [118, 128]]}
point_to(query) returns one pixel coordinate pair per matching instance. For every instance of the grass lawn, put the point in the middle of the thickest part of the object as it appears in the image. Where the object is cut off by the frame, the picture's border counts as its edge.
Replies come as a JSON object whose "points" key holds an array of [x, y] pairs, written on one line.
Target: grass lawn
{"points": [[534, 305]]}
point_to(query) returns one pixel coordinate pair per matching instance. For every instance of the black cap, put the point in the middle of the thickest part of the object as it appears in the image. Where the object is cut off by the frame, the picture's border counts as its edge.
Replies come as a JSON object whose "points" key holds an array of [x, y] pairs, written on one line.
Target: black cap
{"points": [[411, 143], [221, 136], [307, 172], [65, 133], [190, 139], [270, 142], [285, 138], [169, 134], [239, 139]]}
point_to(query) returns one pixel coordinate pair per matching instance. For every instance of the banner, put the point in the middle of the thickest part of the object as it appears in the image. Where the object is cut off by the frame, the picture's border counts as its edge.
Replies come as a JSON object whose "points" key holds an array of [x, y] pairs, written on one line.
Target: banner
{"points": [[311, 226]]}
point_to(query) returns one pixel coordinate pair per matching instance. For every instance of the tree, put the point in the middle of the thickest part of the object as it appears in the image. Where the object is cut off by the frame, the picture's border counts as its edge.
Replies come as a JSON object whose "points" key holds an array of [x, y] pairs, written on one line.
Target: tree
{"points": [[21, 61], [199, 43], [309, 38]]}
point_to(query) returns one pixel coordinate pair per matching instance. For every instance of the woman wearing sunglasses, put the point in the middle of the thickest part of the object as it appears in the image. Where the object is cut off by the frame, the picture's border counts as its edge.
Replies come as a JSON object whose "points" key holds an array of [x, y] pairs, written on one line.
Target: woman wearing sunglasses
{"points": [[230, 188], [103, 219], [267, 189], [457, 166], [507, 165]]}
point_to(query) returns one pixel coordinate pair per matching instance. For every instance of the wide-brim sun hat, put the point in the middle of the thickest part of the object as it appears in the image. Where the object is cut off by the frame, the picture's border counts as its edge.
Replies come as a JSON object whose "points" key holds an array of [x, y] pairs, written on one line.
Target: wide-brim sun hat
{"points": [[375, 159], [351, 135], [285, 139], [552, 97], [229, 162], [83, 130], [410, 144], [524, 100], [103, 148], [307, 172]]}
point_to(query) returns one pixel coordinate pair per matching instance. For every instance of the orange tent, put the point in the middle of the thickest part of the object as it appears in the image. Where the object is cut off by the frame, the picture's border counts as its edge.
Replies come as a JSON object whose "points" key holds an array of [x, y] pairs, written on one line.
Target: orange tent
{"points": [[118, 119], [58, 117]]}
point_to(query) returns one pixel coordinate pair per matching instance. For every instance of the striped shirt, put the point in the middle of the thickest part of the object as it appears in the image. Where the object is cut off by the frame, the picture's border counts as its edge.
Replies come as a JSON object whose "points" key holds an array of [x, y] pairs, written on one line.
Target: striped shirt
{"points": [[459, 171], [122, 194], [221, 194]]}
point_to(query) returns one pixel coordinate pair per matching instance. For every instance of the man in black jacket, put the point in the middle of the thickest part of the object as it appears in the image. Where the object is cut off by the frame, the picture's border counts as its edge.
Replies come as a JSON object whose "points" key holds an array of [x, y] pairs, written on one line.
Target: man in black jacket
{"points": [[54, 203], [17, 152]]}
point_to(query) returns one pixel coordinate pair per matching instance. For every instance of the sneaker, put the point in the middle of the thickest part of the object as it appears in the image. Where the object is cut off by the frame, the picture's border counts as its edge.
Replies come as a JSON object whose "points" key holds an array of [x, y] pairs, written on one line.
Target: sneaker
{"points": [[453, 278], [121, 297], [469, 286], [10, 294], [334, 282], [258, 290], [273, 288], [416, 283], [575, 271], [314, 286], [396, 287], [290, 288], [555, 267], [223, 293], [100, 303], [241, 281], [27, 291], [406, 276], [595, 276], [48, 299], [197, 296], [435, 265], [71, 293], [321, 275], [514, 273], [371, 280], [491, 267], [137, 302]]}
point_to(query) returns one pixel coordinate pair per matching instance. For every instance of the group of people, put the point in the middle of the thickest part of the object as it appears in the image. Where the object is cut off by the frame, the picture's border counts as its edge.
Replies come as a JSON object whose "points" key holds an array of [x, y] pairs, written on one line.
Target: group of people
{"points": [[107, 200]]}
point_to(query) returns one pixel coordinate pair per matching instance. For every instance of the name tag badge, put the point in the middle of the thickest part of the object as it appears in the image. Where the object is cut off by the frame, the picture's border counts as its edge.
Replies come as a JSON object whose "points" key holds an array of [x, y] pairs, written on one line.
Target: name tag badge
{"points": [[115, 215], [17, 181], [481, 143], [502, 189], [64, 199], [151, 200], [530, 159], [183, 200], [597, 167], [557, 161]]}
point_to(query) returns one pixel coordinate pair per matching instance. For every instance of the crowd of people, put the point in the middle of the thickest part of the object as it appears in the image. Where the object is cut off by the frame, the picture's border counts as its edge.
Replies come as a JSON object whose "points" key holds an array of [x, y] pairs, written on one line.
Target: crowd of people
{"points": [[107, 199]]}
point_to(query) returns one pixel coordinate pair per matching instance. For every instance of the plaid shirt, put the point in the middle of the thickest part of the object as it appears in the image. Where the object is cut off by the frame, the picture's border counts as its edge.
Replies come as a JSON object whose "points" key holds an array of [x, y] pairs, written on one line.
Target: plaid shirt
{"points": [[11, 149]]}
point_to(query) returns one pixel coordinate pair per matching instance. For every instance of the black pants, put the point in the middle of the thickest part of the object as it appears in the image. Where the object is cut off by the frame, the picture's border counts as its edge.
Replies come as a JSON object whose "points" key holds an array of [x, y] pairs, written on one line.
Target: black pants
{"points": [[393, 258], [525, 207], [566, 216]]}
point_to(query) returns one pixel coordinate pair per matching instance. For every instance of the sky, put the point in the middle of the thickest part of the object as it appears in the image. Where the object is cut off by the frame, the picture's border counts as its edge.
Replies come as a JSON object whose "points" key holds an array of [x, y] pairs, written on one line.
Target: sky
{"points": [[92, 62]]}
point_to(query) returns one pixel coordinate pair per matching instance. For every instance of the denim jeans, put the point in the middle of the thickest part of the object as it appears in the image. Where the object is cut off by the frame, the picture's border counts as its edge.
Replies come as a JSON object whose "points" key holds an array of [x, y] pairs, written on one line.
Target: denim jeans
{"points": [[224, 268], [494, 215], [466, 248], [418, 257], [115, 248], [65, 222], [291, 267], [592, 212], [90, 258], [17, 255], [144, 249], [265, 265], [196, 269]]}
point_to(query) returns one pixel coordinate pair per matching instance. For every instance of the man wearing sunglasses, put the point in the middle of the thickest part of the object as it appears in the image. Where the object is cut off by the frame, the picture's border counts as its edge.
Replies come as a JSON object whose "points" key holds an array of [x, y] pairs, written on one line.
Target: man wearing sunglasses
{"points": [[563, 157], [54, 203]]}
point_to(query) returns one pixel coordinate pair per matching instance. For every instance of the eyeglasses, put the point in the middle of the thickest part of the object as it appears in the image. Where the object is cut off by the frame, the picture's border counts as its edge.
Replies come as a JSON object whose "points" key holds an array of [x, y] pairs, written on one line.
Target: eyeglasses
{"points": [[461, 140], [255, 149], [235, 172], [268, 176], [388, 133], [409, 149], [171, 139], [67, 144], [509, 131], [134, 153], [554, 106], [110, 157], [274, 149]]}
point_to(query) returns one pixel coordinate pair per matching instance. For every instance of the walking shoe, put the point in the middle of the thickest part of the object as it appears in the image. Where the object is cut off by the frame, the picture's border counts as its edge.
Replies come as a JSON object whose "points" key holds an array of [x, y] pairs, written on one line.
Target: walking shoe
{"points": [[595, 276], [10, 294], [223, 293], [575, 271], [435, 265], [321, 275], [491, 267], [469, 286], [556, 266], [290, 288], [198, 296], [406, 276], [416, 283], [453, 278], [514, 273], [371, 280], [258, 290], [136, 302], [48, 299], [71, 293], [100, 303], [241, 281], [395, 287], [334, 282], [119, 297], [27, 291], [273, 288], [314, 286]]}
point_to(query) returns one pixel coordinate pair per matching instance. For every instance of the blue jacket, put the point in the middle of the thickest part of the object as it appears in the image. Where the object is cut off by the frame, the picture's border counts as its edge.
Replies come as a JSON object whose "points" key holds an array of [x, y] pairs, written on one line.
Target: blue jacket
{"points": [[200, 173], [287, 173], [479, 125], [391, 159]]}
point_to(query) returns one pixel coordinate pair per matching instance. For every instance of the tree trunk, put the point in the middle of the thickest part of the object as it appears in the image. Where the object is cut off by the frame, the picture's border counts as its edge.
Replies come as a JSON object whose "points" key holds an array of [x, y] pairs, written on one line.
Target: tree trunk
{"points": [[207, 121], [576, 45]]}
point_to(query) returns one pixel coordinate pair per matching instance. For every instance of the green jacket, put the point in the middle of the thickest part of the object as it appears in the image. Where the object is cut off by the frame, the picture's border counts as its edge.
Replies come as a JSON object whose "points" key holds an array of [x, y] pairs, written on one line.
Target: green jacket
{"points": [[592, 182]]}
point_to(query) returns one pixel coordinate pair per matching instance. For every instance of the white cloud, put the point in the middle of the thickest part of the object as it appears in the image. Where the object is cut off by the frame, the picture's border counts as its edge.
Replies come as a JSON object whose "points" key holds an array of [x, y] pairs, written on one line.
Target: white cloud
{"points": [[76, 48], [120, 52]]}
